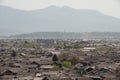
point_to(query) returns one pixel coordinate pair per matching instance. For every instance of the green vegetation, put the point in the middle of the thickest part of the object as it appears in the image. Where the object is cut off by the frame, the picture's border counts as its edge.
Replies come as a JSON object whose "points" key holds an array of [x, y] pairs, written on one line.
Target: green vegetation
{"points": [[66, 64], [25, 45], [73, 58], [104, 49], [56, 68]]}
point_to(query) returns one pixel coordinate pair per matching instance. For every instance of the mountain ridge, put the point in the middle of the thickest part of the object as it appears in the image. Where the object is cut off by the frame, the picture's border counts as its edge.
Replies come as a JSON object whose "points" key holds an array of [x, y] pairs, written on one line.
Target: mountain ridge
{"points": [[68, 35], [55, 19]]}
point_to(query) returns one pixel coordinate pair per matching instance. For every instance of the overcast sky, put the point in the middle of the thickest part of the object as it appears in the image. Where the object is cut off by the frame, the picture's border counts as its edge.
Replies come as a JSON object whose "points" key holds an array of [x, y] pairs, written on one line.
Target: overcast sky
{"points": [[109, 7]]}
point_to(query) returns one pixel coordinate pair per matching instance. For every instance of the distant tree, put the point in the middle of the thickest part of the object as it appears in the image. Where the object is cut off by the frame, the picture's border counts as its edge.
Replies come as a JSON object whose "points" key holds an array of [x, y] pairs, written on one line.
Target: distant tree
{"points": [[55, 58], [26, 42], [14, 54], [74, 59], [45, 78]]}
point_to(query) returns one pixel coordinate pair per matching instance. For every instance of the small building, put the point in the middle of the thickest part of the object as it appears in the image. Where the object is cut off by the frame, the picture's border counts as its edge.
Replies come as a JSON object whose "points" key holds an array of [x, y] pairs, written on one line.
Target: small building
{"points": [[46, 67], [8, 72], [26, 78], [87, 49]]}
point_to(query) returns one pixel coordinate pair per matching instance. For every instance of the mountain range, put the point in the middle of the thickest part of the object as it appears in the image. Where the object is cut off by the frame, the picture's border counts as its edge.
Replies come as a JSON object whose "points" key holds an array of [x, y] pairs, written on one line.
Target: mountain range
{"points": [[55, 19], [68, 35]]}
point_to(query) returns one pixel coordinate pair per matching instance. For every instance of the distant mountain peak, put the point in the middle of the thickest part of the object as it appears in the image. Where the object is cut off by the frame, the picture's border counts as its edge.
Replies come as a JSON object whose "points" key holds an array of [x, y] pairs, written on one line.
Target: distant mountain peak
{"points": [[51, 7], [55, 19]]}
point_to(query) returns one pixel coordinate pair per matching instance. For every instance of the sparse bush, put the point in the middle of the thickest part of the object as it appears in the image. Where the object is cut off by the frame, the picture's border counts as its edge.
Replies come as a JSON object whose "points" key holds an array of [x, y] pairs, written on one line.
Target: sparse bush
{"points": [[66, 64], [56, 68]]}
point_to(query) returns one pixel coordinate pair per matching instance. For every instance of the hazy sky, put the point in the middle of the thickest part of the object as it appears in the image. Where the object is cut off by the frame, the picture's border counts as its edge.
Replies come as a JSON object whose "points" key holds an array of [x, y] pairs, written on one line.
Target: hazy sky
{"points": [[110, 7]]}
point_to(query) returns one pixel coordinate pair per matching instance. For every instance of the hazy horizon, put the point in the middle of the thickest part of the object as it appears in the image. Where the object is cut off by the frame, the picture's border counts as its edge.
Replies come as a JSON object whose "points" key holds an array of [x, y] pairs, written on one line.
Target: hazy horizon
{"points": [[27, 16]]}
